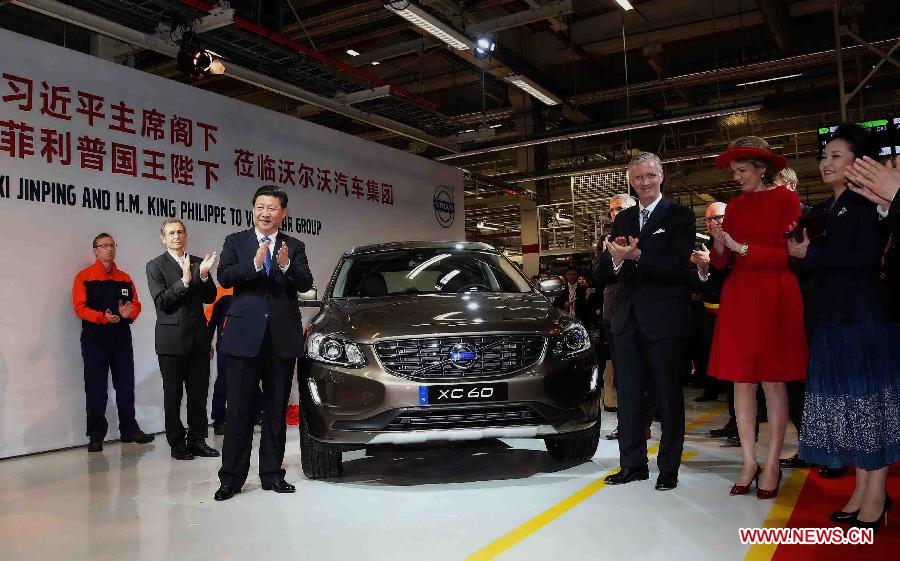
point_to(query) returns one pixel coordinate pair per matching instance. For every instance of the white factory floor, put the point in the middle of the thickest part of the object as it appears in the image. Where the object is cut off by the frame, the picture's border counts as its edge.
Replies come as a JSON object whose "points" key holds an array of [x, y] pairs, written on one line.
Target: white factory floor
{"points": [[483, 500]]}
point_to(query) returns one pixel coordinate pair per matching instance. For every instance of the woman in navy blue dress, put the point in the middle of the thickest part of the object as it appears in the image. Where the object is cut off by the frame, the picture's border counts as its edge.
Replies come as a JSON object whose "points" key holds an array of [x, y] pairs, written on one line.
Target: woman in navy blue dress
{"points": [[852, 414]]}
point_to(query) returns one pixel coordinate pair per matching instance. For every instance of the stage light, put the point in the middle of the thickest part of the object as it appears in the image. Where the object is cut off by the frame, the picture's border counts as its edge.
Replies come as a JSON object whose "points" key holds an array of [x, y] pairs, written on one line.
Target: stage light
{"points": [[626, 5], [351, 52], [484, 46], [199, 62]]}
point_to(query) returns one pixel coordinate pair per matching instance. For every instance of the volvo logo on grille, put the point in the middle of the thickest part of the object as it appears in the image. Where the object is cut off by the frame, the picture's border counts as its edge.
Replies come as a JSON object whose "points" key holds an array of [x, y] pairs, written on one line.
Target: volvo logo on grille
{"points": [[463, 355]]}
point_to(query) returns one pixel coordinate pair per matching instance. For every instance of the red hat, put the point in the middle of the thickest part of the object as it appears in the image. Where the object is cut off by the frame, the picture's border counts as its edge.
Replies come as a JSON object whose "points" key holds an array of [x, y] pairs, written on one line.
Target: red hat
{"points": [[724, 159]]}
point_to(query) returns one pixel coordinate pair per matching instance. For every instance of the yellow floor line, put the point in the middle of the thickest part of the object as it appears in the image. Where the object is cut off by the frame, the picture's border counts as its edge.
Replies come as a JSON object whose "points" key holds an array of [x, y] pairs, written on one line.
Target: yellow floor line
{"points": [[780, 514], [498, 546]]}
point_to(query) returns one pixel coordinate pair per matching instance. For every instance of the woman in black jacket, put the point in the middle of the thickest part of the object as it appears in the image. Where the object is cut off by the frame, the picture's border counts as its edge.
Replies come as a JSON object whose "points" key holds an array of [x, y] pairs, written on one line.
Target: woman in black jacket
{"points": [[852, 414]]}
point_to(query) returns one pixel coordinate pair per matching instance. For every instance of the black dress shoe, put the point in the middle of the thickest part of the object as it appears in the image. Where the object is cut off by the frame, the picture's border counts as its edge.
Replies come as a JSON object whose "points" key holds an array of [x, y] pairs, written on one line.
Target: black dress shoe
{"points": [[225, 492], [667, 480], [95, 446], [203, 449], [724, 432], [614, 435], [733, 441], [140, 437], [627, 475], [279, 487], [831, 473], [792, 462], [181, 453], [218, 429]]}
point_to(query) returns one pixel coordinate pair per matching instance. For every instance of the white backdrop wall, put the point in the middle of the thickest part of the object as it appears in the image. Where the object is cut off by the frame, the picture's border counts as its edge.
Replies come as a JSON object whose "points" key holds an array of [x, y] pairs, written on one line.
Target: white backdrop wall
{"points": [[75, 128]]}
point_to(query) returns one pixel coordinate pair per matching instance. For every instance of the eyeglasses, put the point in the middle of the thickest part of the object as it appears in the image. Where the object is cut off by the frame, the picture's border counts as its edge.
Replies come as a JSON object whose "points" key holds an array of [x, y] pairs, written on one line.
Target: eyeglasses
{"points": [[716, 217], [105, 246]]}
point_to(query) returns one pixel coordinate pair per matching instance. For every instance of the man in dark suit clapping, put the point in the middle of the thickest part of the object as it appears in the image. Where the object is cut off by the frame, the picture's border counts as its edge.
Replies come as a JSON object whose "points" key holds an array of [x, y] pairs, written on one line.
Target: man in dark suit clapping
{"points": [[262, 339], [649, 251], [180, 284]]}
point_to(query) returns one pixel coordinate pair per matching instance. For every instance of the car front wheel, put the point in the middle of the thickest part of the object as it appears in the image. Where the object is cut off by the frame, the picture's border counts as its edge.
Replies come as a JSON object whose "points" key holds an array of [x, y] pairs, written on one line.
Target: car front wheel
{"points": [[319, 460], [579, 446]]}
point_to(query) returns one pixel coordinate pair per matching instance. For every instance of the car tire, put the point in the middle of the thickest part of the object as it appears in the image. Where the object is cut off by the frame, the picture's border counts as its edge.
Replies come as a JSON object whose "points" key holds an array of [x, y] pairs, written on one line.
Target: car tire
{"points": [[576, 447], [319, 460]]}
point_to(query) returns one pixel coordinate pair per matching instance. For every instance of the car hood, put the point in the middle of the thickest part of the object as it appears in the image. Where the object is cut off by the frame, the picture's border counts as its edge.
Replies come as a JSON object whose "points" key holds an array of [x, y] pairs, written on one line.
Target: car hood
{"points": [[367, 320]]}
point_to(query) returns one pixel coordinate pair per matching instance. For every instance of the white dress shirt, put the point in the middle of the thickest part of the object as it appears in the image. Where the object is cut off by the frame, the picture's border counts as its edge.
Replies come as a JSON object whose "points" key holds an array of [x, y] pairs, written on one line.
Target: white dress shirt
{"points": [[651, 207], [272, 238]]}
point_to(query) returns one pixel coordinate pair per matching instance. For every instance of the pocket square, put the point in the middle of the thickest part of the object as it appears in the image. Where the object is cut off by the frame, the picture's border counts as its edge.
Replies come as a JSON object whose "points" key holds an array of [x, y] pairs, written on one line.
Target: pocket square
{"points": [[660, 231]]}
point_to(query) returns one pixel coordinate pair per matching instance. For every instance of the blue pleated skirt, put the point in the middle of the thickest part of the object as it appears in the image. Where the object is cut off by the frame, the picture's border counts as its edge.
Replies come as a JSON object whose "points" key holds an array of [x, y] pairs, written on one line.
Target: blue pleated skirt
{"points": [[852, 411]]}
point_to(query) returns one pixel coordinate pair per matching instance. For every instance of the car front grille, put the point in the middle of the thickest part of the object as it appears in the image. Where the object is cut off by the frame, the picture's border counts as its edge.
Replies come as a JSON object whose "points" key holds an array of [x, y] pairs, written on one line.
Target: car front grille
{"points": [[431, 358], [465, 417]]}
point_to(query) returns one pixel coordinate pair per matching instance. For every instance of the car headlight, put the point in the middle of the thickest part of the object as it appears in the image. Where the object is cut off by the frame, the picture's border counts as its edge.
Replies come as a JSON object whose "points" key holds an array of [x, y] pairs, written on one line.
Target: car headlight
{"points": [[573, 339], [331, 349]]}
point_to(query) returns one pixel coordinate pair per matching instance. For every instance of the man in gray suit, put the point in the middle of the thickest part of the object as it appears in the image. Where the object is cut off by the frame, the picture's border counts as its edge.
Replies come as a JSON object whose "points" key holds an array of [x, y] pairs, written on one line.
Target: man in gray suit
{"points": [[180, 284]]}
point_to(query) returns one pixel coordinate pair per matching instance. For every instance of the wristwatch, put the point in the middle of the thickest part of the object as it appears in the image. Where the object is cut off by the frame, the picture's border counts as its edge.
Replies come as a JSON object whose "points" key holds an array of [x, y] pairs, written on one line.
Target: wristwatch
{"points": [[744, 249]]}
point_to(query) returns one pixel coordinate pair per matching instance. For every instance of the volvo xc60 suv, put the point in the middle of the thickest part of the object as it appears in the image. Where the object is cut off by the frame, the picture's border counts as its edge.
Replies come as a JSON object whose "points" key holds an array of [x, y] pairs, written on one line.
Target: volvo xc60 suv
{"points": [[441, 341]]}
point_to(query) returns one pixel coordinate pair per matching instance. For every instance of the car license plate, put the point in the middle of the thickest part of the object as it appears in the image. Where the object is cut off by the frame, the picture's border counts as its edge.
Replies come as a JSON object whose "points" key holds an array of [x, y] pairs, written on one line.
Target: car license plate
{"points": [[462, 393]]}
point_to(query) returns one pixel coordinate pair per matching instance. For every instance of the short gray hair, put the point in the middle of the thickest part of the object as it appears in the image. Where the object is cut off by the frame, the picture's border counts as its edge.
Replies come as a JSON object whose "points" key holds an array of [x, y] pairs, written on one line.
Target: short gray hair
{"points": [[167, 221], [627, 200], [640, 159], [645, 157]]}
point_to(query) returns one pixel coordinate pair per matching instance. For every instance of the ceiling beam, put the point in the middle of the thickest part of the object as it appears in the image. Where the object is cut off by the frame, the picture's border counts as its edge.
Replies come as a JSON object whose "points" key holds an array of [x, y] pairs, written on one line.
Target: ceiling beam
{"points": [[745, 71], [776, 15], [393, 51], [518, 19], [637, 39]]}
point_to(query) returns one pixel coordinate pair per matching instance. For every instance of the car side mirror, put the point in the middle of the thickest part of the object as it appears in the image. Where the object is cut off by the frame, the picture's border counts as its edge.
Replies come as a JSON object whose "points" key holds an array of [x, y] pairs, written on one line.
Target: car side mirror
{"points": [[309, 299], [551, 288]]}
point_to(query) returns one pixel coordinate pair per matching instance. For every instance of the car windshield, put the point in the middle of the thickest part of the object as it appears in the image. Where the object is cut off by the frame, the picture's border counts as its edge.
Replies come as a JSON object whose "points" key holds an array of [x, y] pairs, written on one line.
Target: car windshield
{"points": [[427, 271]]}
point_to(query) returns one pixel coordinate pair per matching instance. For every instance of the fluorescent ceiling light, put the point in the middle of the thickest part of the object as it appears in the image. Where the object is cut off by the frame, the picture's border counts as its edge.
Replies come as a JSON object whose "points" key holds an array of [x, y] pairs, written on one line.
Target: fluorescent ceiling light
{"points": [[498, 125], [351, 52], [788, 77], [533, 89], [485, 226], [626, 5], [603, 131], [375, 63], [425, 21]]}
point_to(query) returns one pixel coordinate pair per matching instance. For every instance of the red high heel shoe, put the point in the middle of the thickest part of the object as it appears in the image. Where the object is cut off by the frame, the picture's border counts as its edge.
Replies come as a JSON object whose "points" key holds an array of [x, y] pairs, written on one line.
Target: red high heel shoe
{"points": [[744, 489], [763, 494]]}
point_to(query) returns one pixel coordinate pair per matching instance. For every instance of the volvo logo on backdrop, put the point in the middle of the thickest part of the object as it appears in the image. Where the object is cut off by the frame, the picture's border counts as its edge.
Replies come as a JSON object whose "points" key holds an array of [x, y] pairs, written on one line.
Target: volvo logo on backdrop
{"points": [[463, 355], [444, 207]]}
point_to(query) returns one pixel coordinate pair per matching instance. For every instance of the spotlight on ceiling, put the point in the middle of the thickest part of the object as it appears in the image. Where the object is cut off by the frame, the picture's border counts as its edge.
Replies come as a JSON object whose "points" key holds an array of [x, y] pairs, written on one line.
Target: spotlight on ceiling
{"points": [[199, 62], [484, 46]]}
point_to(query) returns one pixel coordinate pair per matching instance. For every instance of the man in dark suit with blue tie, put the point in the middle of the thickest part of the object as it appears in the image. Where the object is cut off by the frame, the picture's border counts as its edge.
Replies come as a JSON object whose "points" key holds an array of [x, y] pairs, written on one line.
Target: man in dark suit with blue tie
{"points": [[648, 252], [262, 339]]}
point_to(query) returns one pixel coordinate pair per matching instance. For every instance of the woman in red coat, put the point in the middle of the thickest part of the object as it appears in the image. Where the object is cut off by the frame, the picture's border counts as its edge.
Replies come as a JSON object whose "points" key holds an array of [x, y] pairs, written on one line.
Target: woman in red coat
{"points": [[759, 337]]}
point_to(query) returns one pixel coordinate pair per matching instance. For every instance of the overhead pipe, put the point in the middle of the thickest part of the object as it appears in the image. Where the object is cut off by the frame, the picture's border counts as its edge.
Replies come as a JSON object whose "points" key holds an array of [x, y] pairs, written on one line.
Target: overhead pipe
{"points": [[97, 24]]}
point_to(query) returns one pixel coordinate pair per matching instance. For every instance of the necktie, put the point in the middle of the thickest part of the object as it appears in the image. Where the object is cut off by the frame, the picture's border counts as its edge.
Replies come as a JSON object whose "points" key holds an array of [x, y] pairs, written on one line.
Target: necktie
{"points": [[268, 263], [645, 215]]}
